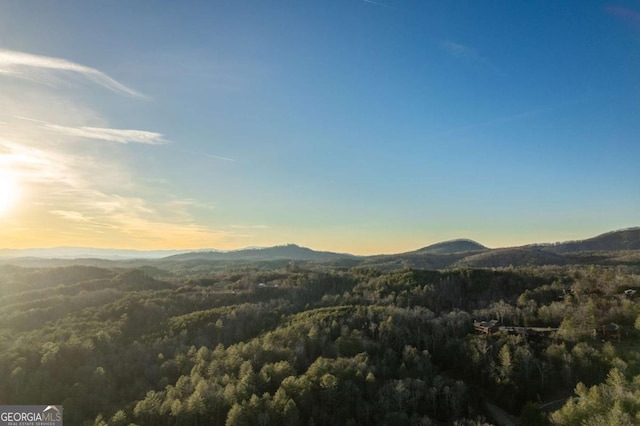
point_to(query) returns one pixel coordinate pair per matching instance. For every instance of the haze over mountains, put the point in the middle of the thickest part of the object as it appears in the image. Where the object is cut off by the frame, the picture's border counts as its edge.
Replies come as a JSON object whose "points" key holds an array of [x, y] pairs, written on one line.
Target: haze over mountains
{"points": [[289, 251], [616, 247], [87, 252]]}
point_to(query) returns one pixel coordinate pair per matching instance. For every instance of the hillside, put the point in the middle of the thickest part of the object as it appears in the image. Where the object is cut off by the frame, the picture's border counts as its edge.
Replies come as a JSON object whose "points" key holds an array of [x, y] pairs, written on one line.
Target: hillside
{"points": [[289, 251], [625, 239], [414, 260], [500, 258], [613, 248], [451, 247], [303, 345]]}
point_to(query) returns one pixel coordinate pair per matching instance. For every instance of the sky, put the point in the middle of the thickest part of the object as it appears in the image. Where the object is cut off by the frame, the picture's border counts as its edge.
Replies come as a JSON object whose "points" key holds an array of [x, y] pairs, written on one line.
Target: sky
{"points": [[354, 126]]}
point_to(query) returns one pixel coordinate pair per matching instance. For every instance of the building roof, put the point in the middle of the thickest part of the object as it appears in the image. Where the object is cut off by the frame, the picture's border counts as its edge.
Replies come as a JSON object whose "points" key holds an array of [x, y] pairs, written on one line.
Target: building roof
{"points": [[612, 326]]}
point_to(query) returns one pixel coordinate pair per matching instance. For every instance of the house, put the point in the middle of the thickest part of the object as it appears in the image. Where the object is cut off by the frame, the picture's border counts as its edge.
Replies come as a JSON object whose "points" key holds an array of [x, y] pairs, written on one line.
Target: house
{"points": [[486, 326], [610, 330]]}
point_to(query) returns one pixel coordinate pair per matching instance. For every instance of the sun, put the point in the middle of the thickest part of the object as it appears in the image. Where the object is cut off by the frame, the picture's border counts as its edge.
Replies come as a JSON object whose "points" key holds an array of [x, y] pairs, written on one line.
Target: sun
{"points": [[9, 191]]}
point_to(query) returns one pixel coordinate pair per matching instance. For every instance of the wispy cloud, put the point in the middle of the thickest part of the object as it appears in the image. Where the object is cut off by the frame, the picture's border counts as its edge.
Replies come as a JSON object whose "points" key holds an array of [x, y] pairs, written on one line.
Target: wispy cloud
{"points": [[627, 15], [488, 123], [459, 50], [464, 52], [511, 117], [84, 193], [75, 197], [113, 135], [22, 64], [69, 202], [136, 221], [105, 134], [34, 165], [219, 157], [249, 226], [377, 3], [70, 215]]}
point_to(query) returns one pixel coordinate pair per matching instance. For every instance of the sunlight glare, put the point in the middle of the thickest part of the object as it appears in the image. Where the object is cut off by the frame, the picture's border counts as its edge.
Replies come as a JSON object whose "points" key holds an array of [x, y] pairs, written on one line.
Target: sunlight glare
{"points": [[9, 191]]}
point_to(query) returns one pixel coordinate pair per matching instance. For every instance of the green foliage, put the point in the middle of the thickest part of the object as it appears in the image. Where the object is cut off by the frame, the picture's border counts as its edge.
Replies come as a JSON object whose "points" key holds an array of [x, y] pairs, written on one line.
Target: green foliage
{"points": [[316, 345], [615, 402]]}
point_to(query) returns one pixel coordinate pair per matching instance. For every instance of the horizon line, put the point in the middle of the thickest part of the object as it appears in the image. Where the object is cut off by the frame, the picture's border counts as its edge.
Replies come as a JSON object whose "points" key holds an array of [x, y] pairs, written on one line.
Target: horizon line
{"points": [[204, 249]]}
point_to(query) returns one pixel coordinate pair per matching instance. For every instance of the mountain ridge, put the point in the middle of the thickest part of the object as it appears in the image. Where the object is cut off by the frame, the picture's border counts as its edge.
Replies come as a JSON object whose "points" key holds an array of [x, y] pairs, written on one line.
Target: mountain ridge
{"points": [[622, 246], [622, 239], [286, 251], [458, 245]]}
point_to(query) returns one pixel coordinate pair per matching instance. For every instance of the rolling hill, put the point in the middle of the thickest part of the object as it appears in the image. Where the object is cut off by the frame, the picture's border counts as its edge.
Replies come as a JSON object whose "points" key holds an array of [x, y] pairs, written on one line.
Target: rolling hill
{"points": [[625, 239], [612, 248], [452, 247], [289, 251], [500, 258]]}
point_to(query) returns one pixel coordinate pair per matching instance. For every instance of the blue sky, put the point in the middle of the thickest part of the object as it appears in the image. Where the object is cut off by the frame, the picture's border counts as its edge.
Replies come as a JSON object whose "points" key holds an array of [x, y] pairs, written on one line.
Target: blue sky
{"points": [[345, 125]]}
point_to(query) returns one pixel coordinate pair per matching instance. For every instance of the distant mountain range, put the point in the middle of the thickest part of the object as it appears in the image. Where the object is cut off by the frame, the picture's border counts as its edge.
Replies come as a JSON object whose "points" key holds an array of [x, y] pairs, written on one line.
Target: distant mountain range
{"points": [[616, 247], [289, 251], [88, 252]]}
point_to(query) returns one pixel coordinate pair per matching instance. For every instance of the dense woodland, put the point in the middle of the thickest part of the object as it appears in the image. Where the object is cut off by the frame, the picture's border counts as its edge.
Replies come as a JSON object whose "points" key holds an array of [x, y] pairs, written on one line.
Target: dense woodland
{"points": [[279, 343]]}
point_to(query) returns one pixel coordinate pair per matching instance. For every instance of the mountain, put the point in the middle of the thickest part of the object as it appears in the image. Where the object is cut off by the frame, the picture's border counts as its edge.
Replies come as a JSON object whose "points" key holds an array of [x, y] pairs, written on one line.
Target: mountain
{"points": [[517, 256], [451, 247], [435, 256], [613, 248], [289, 251], [625, 239]]}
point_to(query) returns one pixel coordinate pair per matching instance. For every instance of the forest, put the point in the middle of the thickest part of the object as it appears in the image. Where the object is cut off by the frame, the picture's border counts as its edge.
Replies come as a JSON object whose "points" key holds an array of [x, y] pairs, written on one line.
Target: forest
{"points": [[304, 343]]}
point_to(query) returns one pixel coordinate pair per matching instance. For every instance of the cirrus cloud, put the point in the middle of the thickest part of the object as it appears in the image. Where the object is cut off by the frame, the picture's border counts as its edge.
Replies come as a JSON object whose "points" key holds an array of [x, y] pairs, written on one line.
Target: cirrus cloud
{"points": [[82, 193], [466, 53], [20, 64], [103, 133], [113, 135]]}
